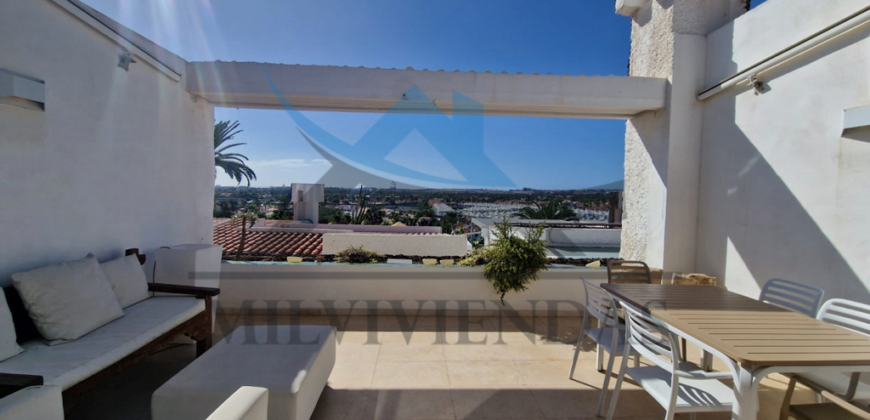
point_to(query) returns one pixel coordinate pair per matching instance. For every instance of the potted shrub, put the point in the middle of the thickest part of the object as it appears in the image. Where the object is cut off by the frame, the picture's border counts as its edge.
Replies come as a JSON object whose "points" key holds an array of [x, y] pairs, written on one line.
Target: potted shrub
{"points": [[511, 262], [357, 255]]}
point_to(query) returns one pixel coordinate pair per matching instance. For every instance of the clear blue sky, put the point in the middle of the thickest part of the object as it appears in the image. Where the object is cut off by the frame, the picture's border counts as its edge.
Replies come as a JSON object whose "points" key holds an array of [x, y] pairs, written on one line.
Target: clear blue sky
{"points": [[553, 36]]}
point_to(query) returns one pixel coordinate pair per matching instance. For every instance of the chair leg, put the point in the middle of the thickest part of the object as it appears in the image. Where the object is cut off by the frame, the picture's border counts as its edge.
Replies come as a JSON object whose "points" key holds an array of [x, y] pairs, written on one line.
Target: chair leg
{"points": [[576, 355], [706, 361], [612, 409], [692, 416], [600, 359], [684, 348], [637, 360], [579, 344], [786, 401], [672, 403], [607, 374]]}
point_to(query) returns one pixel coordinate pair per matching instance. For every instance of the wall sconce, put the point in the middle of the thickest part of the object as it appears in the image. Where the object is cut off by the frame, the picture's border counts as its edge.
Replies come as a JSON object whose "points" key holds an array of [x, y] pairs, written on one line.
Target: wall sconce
{"points": [[125, 58]]}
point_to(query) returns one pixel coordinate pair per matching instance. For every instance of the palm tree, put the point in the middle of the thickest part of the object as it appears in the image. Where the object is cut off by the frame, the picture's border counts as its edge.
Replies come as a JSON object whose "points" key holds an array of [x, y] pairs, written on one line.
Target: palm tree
{"points": [[553, 210], [246, 217], [232, 163]]}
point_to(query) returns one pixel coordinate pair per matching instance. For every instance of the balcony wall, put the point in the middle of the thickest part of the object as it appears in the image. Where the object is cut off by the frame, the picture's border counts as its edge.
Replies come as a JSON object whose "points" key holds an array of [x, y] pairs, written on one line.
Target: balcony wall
{"points": [[117, 158], [784, 192], [390, 244], [251, 288]]}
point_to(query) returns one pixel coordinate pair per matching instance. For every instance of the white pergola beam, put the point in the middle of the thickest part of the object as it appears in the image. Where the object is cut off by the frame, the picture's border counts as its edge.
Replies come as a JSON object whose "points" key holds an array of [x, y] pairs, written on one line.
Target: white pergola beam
{"points": [[629, 7], [357, 89]]}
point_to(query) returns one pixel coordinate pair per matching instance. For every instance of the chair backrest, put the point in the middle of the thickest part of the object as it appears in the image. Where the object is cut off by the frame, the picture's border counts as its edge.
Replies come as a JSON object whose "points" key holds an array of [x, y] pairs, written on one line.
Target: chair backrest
{"points": [[600, 304], [622, 271], [651, 338], [792, 295], [847, 314]]}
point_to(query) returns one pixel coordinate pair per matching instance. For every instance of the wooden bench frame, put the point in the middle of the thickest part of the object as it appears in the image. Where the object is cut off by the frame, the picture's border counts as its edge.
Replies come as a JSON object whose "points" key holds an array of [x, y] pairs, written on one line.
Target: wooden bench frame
{"points": [[198, 328]]}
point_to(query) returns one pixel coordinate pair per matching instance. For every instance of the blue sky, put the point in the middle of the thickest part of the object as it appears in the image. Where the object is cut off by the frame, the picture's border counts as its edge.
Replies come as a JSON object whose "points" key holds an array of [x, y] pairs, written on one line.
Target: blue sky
{"points": [[553, 36]]}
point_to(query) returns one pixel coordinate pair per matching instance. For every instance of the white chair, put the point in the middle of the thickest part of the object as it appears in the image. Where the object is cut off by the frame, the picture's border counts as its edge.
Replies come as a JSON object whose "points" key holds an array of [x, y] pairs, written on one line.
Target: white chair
{"points": [[609, 336], [680, 387], [247, 403], [792, 295], [850, 315]]}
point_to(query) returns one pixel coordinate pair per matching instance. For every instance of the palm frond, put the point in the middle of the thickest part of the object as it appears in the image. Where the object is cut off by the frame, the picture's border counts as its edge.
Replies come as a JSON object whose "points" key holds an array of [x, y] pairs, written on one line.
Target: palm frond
{"points": [[232, 163], [223, 148]]}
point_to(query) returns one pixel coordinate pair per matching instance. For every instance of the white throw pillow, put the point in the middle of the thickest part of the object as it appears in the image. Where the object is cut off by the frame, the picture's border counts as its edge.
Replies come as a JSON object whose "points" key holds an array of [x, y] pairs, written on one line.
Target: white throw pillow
{"points": [[68, 300], [127, 279], [8, 340]]}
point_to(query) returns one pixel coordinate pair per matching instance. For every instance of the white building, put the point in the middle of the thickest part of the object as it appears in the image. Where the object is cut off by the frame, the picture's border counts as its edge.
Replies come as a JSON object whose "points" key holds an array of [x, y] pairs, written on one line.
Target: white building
{"points": [[442, 209]]}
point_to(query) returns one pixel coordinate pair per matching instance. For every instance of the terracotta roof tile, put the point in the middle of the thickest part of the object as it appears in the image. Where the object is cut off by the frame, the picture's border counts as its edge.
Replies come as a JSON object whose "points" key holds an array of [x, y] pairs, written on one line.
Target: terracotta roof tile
{"points": [[227, 234]]}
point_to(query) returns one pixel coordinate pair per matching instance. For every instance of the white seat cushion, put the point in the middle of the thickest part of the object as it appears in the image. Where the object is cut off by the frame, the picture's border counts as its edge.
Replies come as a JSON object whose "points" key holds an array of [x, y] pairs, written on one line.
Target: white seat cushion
{"points": [[68, 300], [33, 403], [8, 340], [68, 364], [127, 279]]}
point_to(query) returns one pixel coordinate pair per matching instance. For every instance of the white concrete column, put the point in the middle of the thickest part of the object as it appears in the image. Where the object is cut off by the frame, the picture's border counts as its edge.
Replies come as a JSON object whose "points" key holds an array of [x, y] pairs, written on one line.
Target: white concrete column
{"points": [[662, 148]]}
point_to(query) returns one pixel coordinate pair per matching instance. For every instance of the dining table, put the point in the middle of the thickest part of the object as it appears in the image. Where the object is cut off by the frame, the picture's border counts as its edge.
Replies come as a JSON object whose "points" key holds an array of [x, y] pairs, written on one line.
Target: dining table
{"points": [[754, 338]]}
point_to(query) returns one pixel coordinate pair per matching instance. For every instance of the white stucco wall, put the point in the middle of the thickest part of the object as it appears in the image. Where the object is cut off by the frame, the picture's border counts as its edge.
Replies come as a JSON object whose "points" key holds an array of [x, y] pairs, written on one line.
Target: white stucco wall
{"points": [[595, 238], [387, 244], [608, 238], [662, 148], [118, 159], [783, 193], [343, 284]]}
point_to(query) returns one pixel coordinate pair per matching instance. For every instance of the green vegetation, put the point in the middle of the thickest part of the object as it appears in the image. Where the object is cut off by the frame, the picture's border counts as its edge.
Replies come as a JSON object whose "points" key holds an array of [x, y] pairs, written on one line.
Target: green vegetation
{"points": [[245, 217], [232, 163], [553, 210], [512, 261], [357, 255], [450, 222], [474, 258]]}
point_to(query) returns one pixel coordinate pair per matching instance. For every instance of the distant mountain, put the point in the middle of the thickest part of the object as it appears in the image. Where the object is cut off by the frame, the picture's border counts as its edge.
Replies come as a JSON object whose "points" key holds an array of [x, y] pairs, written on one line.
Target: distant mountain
{"points": [[618, 185]]}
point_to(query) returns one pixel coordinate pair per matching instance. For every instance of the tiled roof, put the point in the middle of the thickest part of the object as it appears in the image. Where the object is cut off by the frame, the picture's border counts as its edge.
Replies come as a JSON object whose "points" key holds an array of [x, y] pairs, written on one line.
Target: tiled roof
{"points": [[227, 234]]}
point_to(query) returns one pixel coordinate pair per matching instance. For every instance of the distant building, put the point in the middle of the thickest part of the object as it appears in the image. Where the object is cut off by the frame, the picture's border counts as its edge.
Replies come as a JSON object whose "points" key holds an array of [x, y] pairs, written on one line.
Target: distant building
{"points": [[564, 239], [442, 209]]}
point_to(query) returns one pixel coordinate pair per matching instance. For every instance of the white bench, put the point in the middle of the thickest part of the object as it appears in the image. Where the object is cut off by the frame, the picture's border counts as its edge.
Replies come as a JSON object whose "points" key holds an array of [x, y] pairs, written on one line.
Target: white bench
{"points": [[292, 362]]}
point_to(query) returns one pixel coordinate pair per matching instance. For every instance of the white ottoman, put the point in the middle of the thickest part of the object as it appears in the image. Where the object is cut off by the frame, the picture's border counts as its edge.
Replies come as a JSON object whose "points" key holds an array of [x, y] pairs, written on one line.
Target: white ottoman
{"points": [[292, 362]]}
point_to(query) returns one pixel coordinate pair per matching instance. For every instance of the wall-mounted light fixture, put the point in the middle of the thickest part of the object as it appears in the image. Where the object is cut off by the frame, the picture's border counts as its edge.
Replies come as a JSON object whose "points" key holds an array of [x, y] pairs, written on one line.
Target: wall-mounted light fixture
{"points": [[125, 58], [21, 91]]}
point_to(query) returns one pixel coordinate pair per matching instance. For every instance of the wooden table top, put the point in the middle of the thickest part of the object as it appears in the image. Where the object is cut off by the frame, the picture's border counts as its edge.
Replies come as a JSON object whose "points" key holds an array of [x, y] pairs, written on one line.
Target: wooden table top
{"points": [[751, 332]]}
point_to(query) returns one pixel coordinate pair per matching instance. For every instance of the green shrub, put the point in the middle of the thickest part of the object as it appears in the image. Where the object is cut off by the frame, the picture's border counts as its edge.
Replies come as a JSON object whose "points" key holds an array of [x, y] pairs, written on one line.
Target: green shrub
{"points": [[475, 257], [513, 262], [356, 255]]}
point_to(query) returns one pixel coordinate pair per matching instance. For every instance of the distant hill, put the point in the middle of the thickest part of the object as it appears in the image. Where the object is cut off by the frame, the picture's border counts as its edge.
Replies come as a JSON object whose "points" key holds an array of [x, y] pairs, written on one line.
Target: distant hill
{"points": [[618, 185]]}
